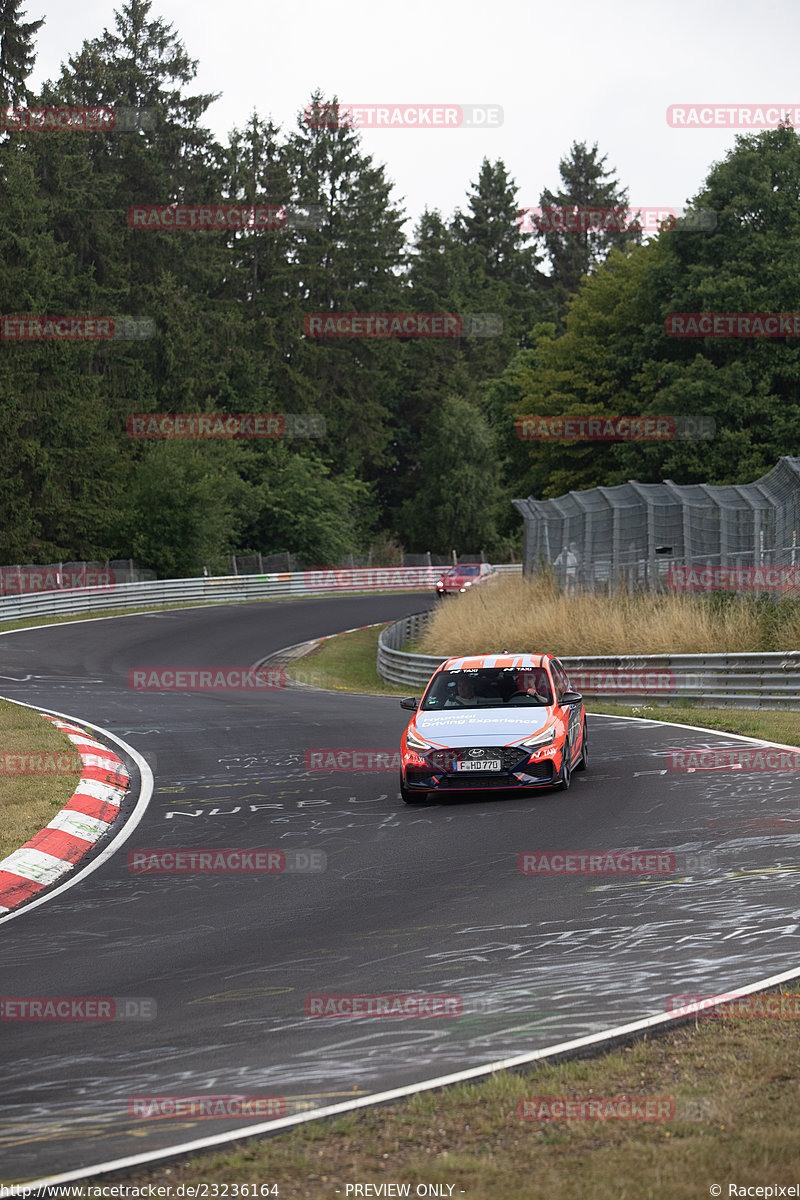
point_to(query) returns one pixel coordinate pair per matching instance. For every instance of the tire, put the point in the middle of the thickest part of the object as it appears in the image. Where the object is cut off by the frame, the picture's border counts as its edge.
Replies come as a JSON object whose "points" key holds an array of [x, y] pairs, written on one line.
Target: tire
{"points": [[584, 760], [565, 774], [412, 797]]}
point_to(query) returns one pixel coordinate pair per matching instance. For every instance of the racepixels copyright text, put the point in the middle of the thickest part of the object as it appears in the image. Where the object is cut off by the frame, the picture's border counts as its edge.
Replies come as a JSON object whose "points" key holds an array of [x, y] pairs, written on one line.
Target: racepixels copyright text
{"points": [[767, 1190]]}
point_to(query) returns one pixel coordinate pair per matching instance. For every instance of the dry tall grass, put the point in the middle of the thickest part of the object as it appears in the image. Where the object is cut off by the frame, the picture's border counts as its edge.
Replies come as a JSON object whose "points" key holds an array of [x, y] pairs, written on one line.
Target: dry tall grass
{"points": [[537, 616]]}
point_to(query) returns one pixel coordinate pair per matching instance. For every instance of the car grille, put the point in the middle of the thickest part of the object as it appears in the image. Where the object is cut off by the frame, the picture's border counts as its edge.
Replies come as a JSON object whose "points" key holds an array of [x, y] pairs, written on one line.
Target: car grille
{"points": [[510, 757], [488, 783]]}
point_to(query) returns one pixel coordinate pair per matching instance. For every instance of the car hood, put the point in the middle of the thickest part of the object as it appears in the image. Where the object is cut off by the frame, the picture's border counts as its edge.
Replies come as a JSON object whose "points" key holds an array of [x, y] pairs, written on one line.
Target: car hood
{"points": [[482, 727]]}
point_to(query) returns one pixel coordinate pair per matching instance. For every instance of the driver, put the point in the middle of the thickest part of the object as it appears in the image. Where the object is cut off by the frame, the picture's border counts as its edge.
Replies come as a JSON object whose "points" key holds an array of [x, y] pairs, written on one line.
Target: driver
{"points": [[535, 685]]}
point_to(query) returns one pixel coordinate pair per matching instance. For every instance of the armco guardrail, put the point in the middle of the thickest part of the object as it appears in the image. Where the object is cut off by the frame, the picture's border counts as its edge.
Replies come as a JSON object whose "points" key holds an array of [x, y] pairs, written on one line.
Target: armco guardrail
{"points": [[736, 680], [227, 589]]}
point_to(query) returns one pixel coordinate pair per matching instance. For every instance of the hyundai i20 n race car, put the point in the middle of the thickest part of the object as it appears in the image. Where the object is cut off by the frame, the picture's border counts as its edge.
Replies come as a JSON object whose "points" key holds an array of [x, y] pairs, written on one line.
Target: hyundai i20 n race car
{"points": [[492, 722]]}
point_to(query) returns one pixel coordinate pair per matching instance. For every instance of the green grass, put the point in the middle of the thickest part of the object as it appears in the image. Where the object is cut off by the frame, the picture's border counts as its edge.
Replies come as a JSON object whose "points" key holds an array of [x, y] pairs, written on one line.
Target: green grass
{"points": [[345, 663], [28, 801], [733, 1082]]}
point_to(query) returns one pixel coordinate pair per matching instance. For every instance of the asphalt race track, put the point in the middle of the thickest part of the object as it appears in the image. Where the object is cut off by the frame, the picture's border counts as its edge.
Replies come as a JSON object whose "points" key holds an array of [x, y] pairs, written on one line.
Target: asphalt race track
{"points": [[412, 900]]}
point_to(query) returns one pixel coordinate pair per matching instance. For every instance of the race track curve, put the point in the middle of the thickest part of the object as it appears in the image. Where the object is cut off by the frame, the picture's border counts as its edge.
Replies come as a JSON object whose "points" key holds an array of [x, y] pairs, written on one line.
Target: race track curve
{"points": [[411, 901]]}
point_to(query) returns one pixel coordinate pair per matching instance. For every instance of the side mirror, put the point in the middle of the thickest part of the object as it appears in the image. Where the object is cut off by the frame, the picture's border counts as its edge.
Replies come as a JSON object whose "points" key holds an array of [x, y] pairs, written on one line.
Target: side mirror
{"points": [[410, 702], [571, 698]]}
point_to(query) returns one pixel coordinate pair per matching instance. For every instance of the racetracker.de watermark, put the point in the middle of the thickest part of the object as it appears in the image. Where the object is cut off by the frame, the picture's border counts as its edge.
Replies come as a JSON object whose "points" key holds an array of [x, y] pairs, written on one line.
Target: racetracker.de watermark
{"points": [[15, 581], [340, 758], [622, 681], [225, 425], [732, 116], [732, 325], [403, 116], [568, 428], [393, 1004], [45, 763], [402, 325], [732, 579], [77, 1008], [149, 1108], [597, 1108], [237, 861], [733, 1004], [205, 679], [620, 219], [69, 119], [596, 862], [387, 579], [27, 328], [223, 217], [734, 758]]}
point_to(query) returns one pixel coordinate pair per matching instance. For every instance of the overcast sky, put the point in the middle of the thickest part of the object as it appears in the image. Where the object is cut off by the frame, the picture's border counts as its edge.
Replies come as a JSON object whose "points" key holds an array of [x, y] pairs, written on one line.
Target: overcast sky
{"points": [[574, 71]]}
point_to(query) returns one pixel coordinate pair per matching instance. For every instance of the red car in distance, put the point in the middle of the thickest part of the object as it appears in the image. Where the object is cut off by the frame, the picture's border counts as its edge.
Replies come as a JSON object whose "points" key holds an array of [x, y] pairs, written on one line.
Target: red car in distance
{"points": [[463, 577]]}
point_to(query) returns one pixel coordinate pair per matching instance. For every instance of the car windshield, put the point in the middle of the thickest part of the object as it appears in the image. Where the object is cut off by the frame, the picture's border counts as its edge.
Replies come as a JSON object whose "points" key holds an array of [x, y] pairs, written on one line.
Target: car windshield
{"points": [[466, 570], [489, 687]]}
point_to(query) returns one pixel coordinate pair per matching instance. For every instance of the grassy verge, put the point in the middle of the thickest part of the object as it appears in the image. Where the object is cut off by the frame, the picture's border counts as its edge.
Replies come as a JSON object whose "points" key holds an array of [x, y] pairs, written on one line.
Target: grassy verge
{"points": [[733, 1083], [345, 663], [28, 801]]}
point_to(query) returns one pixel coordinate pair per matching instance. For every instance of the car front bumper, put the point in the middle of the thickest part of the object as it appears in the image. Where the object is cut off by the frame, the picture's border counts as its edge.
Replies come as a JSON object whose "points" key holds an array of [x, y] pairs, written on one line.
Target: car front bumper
{"points": [[527, 775]]}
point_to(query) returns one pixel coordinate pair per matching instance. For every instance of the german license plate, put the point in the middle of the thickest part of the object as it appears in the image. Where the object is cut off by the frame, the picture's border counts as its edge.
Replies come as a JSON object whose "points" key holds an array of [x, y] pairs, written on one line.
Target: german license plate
{"points": [[482, 764]]}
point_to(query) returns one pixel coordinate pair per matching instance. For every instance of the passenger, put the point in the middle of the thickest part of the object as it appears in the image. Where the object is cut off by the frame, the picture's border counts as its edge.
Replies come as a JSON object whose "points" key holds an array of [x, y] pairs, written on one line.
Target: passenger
{"points": [[465, 693]]}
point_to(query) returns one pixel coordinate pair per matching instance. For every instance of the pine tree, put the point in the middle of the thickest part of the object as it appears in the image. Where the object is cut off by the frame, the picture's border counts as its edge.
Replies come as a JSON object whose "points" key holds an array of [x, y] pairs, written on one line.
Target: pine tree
{"points": [[17, 56], [573, 253], [348, 262], [500, 272]]}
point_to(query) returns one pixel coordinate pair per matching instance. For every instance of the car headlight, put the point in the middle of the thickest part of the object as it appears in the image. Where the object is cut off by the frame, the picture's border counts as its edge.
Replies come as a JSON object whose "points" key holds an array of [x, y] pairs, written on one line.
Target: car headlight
{"points": [[415, 742], [543, 738]]}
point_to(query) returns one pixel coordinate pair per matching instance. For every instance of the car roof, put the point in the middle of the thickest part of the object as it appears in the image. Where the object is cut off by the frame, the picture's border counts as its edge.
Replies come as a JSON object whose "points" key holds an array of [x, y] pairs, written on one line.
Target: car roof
{"points": [[473, 662]]}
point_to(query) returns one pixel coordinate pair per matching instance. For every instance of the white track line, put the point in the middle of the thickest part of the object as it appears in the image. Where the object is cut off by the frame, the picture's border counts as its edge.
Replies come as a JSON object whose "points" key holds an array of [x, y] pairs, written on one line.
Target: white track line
{"points": [[268, 1127], [504, 1064]]}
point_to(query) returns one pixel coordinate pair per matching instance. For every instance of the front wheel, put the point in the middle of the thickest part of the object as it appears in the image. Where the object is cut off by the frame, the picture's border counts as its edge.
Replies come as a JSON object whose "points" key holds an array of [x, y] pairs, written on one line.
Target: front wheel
{"points": [[412, 797], [565, 774], [584, 759]]}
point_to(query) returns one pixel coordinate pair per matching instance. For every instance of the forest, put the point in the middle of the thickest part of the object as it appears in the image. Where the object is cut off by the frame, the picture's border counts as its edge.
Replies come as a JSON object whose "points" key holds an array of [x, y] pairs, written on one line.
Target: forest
{"points": [[404, 435]]}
